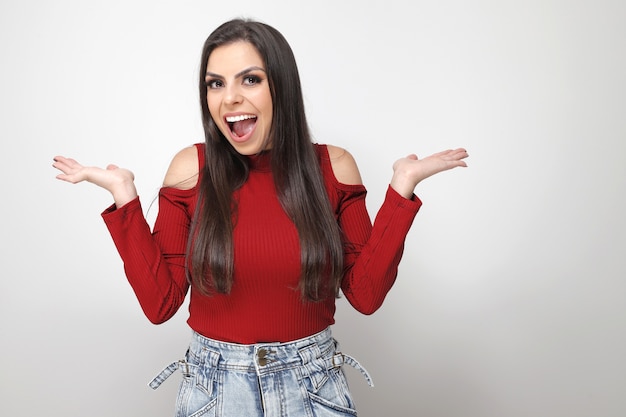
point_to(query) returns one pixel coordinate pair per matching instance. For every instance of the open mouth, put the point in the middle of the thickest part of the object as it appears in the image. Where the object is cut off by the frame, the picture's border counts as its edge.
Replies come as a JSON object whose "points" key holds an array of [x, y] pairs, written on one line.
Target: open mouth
{"points": [[241, 125]]}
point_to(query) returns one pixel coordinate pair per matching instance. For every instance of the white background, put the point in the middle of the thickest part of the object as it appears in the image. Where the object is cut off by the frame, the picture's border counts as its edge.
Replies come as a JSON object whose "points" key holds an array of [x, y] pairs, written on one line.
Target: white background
{"points": [[511, 297]]}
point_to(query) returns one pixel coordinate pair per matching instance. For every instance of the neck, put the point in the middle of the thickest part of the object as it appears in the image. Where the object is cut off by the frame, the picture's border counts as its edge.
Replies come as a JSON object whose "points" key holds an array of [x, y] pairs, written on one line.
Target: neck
{"points": [[261, 161]]}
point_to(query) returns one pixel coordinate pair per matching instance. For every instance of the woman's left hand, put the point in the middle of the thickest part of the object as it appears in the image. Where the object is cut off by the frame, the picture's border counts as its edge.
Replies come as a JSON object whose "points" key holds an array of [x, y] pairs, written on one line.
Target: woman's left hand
{"points": [[410, 171]]}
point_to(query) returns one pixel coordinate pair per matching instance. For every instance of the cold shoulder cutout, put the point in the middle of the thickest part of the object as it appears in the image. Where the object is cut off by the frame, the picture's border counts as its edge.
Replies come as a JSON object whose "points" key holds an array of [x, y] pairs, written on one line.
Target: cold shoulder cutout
{"points": [[344, 166], [183, 170]]}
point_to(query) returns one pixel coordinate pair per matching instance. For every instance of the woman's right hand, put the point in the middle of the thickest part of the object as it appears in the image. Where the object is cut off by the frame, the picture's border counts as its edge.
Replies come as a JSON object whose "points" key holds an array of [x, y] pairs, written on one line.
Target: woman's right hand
{"points": [[118, 181]]}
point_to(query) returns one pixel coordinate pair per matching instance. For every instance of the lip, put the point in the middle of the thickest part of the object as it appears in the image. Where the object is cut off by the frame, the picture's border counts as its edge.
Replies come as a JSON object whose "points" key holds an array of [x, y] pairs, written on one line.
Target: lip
{"points": [[232, 135]]}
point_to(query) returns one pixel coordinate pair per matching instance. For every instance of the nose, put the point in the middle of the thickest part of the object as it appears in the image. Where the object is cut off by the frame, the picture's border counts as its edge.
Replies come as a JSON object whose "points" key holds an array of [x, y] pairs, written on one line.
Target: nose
{"points": [[232, 95]]}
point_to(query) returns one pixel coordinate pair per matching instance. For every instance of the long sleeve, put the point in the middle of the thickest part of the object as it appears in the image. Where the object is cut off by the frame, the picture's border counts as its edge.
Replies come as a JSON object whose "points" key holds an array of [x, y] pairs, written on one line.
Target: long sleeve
{"points": [[154, 262], [264, 303], [373, 252]]}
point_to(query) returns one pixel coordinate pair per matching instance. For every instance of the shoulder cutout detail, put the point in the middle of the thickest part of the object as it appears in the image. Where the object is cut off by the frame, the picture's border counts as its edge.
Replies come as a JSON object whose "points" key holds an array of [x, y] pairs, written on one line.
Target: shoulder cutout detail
{"points": [[344, 166], [183, 170]]}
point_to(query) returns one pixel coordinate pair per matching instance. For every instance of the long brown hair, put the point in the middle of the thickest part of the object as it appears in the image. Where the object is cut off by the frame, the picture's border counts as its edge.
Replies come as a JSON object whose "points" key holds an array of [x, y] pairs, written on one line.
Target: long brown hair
{"points": [[295, 167]]}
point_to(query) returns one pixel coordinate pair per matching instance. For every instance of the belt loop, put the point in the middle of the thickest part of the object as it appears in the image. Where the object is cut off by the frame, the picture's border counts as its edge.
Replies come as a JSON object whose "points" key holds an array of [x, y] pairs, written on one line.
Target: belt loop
{"points": [[208, 377], [314, 365]]}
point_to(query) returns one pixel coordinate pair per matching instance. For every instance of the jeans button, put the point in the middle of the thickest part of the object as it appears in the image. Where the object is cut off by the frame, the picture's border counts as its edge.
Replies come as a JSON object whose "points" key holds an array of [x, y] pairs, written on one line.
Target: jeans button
{"points": [[262, 356]]}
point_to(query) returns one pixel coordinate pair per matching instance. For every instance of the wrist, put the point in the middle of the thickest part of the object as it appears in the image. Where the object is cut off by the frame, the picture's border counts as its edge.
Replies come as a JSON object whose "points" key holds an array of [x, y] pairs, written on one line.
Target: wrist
{"points": [[124, 193], [403, 185]]}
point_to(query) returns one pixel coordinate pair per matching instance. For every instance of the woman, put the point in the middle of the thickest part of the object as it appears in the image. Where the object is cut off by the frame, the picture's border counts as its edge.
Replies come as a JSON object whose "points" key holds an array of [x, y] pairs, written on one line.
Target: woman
{"points": [[266, 228]]}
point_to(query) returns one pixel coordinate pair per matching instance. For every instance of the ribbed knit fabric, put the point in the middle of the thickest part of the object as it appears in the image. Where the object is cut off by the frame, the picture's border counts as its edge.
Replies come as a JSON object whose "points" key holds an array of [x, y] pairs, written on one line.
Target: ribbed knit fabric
{"points": [[264, 304]]}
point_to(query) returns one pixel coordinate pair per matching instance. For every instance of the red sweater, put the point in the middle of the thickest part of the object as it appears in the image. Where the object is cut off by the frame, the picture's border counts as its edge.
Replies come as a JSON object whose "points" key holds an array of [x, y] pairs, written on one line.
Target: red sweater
{"points": [[264, 304]]}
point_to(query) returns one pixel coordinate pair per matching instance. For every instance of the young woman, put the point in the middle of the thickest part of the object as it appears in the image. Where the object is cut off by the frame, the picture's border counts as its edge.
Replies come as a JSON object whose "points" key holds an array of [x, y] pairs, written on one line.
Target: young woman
{"points": [[266, 228]]}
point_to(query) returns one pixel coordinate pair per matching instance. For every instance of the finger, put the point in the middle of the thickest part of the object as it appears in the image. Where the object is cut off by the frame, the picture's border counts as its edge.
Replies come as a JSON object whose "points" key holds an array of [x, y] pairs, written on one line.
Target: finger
{"points": [[64, 160], [452, 151], [462, 154], [66, 178], [57, 160], [60, 166], [65, 164], [455, 154], [442, 154]]}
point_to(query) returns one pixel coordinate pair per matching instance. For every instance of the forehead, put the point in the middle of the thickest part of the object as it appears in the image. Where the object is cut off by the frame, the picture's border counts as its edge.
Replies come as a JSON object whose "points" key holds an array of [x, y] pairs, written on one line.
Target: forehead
{"points": [[234, 57]]}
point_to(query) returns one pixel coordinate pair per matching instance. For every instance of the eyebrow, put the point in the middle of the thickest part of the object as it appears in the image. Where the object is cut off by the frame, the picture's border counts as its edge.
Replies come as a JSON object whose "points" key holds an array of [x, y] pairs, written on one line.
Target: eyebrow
{"points": [[239, 74]]}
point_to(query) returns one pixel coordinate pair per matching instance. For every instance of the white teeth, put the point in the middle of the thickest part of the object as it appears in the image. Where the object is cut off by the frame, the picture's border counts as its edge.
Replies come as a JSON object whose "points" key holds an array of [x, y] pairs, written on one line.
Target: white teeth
{"points": [[232, 119]]}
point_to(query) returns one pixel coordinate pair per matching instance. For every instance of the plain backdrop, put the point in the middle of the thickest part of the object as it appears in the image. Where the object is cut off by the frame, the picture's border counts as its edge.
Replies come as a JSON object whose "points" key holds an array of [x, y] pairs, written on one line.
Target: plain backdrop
{"points": [[511, 296]]}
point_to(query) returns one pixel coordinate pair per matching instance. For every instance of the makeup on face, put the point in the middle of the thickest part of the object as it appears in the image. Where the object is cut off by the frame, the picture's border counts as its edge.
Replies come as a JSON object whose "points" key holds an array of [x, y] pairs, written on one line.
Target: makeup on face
{"points": [[238, 96]]}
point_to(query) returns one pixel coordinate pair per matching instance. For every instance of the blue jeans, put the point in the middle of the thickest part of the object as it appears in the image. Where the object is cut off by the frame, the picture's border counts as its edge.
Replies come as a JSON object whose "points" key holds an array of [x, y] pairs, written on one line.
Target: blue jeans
{"points": [[300, 378]]}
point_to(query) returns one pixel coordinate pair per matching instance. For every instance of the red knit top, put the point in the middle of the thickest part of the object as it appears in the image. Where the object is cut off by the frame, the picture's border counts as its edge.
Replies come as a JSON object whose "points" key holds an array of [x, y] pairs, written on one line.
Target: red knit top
{"points": [[265, 304]]}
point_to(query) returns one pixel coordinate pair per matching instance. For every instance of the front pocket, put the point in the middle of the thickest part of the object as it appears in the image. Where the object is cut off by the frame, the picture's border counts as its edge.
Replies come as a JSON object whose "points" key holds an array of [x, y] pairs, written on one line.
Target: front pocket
{"points": [[205, 361], [333, 398], [193, 400], [197, 395]]}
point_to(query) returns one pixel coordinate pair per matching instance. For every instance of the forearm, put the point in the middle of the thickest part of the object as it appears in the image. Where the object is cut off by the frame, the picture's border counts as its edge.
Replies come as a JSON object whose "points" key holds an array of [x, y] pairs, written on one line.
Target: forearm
{"points": [[373, 261], [158, 280]]}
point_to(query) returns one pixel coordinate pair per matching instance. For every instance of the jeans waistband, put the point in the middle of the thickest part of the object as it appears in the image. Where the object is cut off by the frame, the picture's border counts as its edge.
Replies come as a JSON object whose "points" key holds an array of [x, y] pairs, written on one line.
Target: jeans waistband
{"points": [[318, 351], [265, 355]]}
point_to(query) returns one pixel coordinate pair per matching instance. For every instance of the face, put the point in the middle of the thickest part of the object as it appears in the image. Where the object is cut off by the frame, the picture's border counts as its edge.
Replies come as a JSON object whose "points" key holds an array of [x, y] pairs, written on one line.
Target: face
{"points": [[238, 96]]}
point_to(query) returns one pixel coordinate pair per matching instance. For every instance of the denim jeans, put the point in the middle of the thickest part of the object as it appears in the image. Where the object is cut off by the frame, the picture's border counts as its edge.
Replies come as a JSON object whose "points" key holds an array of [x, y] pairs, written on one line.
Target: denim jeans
{"points": [[300, 378]]}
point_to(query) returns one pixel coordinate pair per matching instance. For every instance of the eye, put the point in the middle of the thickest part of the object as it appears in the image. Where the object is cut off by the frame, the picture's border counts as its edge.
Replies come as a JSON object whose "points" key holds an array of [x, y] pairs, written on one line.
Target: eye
{"points": [[213, 84], [251, 80]]}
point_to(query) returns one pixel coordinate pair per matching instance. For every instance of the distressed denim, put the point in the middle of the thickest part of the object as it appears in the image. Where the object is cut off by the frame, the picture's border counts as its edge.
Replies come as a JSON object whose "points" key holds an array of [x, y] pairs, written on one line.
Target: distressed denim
{"points": [[300, 378]]}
